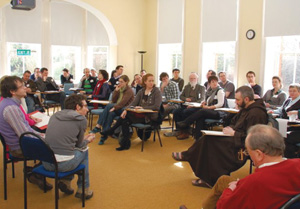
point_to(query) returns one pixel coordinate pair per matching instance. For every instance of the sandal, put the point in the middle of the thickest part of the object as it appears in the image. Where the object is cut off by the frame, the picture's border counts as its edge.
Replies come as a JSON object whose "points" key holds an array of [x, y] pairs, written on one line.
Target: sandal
{"points": [[201, 183], [177, 156]]}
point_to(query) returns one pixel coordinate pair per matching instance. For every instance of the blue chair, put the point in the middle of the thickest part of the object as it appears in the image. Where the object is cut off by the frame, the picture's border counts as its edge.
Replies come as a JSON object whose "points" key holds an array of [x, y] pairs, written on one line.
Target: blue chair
{"points": [[293, 203], [33, 147], [6, 161], [92, 113]]}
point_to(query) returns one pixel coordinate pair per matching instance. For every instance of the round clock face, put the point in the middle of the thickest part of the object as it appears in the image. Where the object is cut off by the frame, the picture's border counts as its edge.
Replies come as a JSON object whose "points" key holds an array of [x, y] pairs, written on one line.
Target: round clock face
{"points": [[250, 34]]}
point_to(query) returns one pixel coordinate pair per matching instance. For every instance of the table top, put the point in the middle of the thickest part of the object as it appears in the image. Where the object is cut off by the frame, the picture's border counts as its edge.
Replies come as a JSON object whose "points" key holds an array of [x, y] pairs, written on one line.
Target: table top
{"points": [[141, 110], [104, 102]]}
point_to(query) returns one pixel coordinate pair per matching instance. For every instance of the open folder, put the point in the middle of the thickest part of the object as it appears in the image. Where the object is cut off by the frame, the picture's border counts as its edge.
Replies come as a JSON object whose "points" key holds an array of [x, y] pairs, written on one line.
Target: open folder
{"points": [[45, 119]]}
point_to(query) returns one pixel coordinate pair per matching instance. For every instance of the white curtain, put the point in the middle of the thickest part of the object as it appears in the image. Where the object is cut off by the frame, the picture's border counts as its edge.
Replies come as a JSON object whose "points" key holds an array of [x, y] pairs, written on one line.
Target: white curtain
{"points": [[170, 21], [219, 20], [282, 18]]}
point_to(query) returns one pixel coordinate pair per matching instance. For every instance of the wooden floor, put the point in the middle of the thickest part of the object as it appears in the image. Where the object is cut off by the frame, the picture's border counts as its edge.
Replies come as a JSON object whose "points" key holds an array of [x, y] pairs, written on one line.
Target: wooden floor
{"points": [[125, 180]]}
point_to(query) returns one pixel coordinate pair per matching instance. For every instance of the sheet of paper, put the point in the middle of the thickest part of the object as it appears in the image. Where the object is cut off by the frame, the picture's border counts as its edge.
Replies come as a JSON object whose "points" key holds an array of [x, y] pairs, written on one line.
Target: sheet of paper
{"points": [[100, 101], [45, 119], [214, 133], [282, 126], [232, 110]]}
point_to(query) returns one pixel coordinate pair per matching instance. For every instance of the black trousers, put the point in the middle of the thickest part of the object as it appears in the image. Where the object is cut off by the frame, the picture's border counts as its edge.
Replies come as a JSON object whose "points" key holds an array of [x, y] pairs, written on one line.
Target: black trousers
{"points": [[291, 144], [200, 117]]}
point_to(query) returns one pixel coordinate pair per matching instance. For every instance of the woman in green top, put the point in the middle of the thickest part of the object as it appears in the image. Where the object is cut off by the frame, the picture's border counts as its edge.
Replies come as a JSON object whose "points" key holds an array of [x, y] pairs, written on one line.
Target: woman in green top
{"points": [[88, 82]]}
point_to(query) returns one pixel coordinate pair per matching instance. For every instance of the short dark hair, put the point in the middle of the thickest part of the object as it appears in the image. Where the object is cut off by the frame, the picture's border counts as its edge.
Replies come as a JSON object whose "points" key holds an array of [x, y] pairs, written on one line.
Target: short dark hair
{"points": [[162, 75], [221, 72], [212, 72], [251, 72], [8, 84], [104, 74], [73, 100], [27, 71], [119, 66], [65, 70], [112, 73], [175, 69], [246, 91], [43, 69], [212, 77], [125, 78], [143, 70]]}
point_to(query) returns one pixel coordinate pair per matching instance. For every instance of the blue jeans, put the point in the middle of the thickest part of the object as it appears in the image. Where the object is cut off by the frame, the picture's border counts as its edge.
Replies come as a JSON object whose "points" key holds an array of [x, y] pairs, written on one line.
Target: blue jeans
{"points": [[106, 118], [30, 104], [79, 158]]}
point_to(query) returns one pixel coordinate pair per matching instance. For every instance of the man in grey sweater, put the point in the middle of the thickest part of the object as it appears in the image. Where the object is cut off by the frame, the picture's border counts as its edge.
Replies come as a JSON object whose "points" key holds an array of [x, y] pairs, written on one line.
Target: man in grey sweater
{"points": [[65, 136]]}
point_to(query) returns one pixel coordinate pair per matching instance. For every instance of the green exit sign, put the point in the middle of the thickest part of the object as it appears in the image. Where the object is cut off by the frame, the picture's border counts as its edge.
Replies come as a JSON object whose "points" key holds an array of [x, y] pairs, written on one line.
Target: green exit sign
{"points": [[23, 52]]}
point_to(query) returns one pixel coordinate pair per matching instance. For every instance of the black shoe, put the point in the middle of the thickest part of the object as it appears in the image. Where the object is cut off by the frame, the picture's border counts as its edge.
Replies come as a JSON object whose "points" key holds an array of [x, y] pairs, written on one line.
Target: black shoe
{"points": [[124, 146], [109, 132], [182, 125]]}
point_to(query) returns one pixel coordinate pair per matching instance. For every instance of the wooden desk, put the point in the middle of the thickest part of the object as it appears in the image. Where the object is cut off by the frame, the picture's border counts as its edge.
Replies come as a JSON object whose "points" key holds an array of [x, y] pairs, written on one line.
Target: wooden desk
{"points": [[193, 104], [103, 102], [177, 101], [230, 110], [141, 110]]}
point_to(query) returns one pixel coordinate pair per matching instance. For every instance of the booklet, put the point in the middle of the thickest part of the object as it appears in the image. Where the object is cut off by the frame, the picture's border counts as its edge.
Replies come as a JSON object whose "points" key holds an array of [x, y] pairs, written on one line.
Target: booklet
{"points": [[45, 119], [214, 133]]}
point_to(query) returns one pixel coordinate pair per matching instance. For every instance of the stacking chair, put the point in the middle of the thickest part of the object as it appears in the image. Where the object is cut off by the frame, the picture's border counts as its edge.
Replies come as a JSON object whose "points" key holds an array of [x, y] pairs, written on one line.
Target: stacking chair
{"points": [[33, 147], [49, 103], [7, 158], [154, 126]]}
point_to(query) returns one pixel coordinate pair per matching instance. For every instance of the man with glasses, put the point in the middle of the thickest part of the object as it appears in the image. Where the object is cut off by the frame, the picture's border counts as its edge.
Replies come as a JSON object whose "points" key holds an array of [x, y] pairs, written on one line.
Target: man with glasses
{"points": [[13, 123], [275, 181]]}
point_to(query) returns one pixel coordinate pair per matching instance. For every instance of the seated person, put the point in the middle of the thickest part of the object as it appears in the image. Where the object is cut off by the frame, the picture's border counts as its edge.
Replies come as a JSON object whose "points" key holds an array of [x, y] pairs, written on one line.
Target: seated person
{"points": [[46, 83], [143, 72], [251, 82], [177, 79], [275, 97], [122, 97], [66, 77], [290, 105], [93, 73], [215, 98], [147, 98], [36, 73], [13, 123], [274, 182], [32, 101], [227, 85], [208, 74], [65, 136], [87, 82], [102, 90], [192, 92], [136, 84], [170, 90], [213, 156], [113, 81]]}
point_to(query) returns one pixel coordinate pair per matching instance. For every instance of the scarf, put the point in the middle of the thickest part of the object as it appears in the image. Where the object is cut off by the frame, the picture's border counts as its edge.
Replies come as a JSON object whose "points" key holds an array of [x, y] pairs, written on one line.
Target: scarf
{"points": [[97, 91], [211, 93], [121, 95]]}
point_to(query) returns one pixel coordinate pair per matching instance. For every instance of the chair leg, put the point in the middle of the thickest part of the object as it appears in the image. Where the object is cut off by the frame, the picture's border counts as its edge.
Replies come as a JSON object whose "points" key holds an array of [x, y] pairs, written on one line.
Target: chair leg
{"points": [[159, 137], [56, 193], [143, 139], [44, 180], [250, 170], [25, 184], [13, 169], [154, 135], [173, 123], [5, 176], [83, 188]]}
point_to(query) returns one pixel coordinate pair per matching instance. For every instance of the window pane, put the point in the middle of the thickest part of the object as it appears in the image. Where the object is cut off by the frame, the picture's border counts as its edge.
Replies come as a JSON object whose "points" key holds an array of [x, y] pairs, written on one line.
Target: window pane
{"points": [[18, 64], [98, 57], [219, 56], [170, 57], [283, 59], [66, 57]]}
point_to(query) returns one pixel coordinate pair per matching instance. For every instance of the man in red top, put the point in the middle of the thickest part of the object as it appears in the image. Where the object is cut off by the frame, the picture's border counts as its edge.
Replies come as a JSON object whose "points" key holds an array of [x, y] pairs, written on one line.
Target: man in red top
{"points": [[275, 181]]}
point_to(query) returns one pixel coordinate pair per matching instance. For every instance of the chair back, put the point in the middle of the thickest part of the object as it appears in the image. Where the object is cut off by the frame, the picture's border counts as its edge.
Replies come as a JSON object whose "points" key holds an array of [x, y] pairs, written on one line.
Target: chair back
{"points": [[293, 203], [34, 148], [67, 87]]}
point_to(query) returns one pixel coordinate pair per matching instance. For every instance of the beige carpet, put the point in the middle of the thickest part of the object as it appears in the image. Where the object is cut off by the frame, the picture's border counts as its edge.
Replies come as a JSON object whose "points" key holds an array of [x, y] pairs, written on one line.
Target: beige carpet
{"points": [[127, 179]]}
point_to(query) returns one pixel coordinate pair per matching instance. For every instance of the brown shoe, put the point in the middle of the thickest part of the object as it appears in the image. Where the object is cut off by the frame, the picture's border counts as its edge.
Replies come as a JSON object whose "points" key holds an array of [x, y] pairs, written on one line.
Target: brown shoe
{"points": [[39, 181], [183, 136], [65, 186], [87, 193]]}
